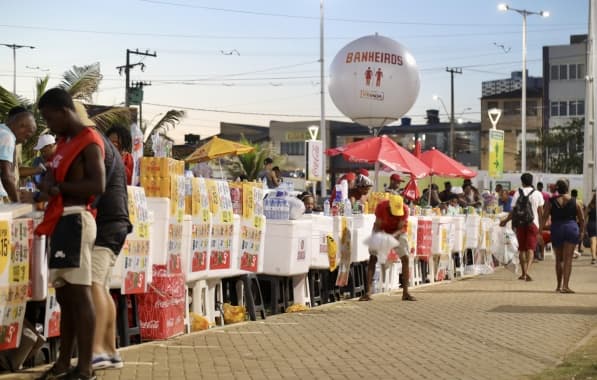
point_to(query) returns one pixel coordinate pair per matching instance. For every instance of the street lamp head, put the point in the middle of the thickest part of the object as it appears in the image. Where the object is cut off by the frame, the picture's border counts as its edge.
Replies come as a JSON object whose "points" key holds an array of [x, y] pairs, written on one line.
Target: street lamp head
{"points": [[313, 130], [544, 13], [435, 97], [503, 7]]}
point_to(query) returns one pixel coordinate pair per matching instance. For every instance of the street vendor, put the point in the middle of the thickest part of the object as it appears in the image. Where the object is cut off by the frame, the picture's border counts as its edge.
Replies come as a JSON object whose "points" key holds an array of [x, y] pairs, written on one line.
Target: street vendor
{"points": [[395, 182], [361, 190], [391, 216], [20, 126]]}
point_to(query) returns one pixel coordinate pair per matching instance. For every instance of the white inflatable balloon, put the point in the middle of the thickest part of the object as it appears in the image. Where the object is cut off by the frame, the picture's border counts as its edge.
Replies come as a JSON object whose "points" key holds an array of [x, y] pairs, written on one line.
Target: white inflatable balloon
{"points": [[374, 80]]}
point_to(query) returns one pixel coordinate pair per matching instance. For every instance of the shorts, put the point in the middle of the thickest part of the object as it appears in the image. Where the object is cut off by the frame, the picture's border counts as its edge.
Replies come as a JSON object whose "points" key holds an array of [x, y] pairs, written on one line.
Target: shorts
{"points": [[527, 237], [82, 274], [564, 232], [102, 262]]}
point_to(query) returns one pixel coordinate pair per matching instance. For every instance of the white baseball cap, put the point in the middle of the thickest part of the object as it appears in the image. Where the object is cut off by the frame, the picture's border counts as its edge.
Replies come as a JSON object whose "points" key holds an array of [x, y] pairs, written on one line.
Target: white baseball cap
{"points": [[44, 140]]}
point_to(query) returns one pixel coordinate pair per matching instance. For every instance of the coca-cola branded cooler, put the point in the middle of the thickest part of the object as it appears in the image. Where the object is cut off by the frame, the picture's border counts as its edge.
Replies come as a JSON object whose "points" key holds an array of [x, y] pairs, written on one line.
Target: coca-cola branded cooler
{"points": [[162, 308]]}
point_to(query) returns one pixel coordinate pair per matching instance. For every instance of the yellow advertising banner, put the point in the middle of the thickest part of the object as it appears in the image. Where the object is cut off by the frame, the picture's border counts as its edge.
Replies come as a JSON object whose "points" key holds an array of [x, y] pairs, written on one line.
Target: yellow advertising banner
{"points": [[496, 153]]}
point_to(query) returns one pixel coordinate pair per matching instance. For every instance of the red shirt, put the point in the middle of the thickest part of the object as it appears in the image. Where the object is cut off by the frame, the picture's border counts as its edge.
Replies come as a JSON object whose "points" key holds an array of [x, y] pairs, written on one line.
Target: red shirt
{"points": [[127, 160], [388, 222]]}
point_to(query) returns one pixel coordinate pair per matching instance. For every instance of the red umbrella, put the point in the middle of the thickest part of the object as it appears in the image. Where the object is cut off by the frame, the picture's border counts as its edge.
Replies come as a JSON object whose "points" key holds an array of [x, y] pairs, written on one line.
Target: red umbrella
{"points": [[443, 165], [384, 150]]}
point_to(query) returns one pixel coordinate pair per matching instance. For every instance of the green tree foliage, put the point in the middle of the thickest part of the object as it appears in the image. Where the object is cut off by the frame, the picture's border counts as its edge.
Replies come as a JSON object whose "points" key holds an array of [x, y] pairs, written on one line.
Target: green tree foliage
{"points": [[563, 148], [250, 164], [81, 82]]}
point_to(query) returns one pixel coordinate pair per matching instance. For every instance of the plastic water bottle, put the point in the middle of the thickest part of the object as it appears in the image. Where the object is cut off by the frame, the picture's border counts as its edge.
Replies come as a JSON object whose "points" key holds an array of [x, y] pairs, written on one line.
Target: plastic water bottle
{"points": [[358, 207], [277, 208], [326, 207], [266, 206], [285, 209], [347, 208]]}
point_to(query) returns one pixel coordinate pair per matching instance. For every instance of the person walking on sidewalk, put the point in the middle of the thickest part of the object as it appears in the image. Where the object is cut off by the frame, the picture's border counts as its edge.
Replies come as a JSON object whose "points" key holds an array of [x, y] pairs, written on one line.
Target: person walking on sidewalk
{"points": [[391, 216], [526, 214], [565, 233], [591, 229]]}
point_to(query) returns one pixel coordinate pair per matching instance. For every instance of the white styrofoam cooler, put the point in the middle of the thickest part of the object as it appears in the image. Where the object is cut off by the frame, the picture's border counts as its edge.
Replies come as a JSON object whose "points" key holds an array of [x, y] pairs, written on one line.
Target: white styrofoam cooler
{"points": [[287, 247], [321, 225], [443, 233], [459, 230], [362, 226], [160, 207]]}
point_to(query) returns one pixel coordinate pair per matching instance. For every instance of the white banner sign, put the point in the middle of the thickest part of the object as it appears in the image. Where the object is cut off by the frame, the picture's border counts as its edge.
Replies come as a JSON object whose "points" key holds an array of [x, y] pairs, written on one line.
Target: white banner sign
{"points": [[314, 160]]}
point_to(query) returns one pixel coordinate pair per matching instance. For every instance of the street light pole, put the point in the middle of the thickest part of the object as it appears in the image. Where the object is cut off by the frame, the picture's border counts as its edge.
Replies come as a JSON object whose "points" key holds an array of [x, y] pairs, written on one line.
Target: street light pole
{"points": [[14, 48], [523, 107], [322, 128], [452, 71]]}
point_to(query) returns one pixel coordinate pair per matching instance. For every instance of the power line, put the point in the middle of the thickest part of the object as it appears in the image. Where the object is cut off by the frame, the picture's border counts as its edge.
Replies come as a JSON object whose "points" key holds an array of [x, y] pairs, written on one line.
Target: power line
{"points": [[348, 20], [245, 37]]}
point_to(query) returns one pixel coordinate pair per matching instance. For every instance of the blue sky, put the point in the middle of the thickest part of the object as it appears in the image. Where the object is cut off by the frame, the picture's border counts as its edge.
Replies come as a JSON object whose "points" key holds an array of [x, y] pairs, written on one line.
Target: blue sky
{"points": [[275, 70]]}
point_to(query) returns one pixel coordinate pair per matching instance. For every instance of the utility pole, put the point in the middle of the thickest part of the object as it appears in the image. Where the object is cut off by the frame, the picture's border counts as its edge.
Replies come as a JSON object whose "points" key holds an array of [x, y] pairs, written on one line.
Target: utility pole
{"points": [[14, 48], [127, 69], [452, 71], [140, 86]]}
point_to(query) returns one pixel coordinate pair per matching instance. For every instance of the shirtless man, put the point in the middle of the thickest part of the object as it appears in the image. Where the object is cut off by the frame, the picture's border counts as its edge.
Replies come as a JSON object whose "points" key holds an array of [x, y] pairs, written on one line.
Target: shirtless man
{"points": [[76, 176]]}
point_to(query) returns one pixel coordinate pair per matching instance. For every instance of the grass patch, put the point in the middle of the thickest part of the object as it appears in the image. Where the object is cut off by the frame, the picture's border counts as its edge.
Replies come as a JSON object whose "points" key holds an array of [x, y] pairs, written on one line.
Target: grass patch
{"points": [[578, 365]]}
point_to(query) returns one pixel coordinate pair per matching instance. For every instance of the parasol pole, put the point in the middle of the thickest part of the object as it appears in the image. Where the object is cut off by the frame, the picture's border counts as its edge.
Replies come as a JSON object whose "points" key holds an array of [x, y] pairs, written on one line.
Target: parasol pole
{"points": [[429, 189], [376, 175]]}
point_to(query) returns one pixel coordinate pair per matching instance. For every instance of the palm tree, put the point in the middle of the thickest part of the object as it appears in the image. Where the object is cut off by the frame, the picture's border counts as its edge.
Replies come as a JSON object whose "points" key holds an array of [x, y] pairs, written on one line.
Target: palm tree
{"points": [[168, 121], [81, 82], [250, 164]]}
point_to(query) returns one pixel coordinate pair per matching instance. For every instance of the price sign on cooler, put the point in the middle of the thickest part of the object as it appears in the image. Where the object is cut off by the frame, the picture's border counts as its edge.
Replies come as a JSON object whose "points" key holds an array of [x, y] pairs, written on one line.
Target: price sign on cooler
{"points": [[424, 237], [5, 251], [302, 251], [200, 235]]}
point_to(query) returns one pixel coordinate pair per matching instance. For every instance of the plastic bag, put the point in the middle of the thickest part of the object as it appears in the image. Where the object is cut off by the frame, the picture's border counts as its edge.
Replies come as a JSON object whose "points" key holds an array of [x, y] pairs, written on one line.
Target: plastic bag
{"points": [[297, 208], [296, 308], [198, 322], [380, 243], [332, 251], [233, 314]]}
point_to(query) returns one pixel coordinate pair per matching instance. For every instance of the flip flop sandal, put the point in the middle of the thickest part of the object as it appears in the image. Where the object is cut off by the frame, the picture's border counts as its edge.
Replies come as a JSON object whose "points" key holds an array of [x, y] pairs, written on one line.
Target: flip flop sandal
{"points": [[365, 298], [408, 298], [567, 291]]}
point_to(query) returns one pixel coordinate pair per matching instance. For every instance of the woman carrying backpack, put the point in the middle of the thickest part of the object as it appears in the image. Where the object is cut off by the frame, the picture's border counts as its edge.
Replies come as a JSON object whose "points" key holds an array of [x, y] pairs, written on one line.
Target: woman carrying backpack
{"points": [[565, 232]]}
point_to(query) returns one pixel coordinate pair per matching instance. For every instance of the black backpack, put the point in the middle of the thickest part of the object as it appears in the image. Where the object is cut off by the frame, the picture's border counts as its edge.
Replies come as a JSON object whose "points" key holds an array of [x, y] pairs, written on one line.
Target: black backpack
{"points": [[522, 213]]}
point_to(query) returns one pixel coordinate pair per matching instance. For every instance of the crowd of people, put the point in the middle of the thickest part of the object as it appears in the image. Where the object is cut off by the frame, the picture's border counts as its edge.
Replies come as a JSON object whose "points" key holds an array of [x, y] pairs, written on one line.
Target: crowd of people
{"points": [[80, 178]]}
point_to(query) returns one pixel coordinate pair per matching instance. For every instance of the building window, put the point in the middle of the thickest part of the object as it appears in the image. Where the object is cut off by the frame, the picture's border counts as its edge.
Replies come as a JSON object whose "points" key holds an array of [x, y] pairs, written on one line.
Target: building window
{"points": [[295, 148], [560, 108], [563, 72], [492, 104], [512, 108], [555, 71], [532, 108], [576, 108], [576, 71], [572, 71]]}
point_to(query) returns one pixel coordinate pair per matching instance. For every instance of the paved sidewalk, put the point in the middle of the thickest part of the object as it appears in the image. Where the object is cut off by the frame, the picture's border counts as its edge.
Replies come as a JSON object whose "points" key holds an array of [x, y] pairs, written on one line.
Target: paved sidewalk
{"points": [[486, 327]]}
